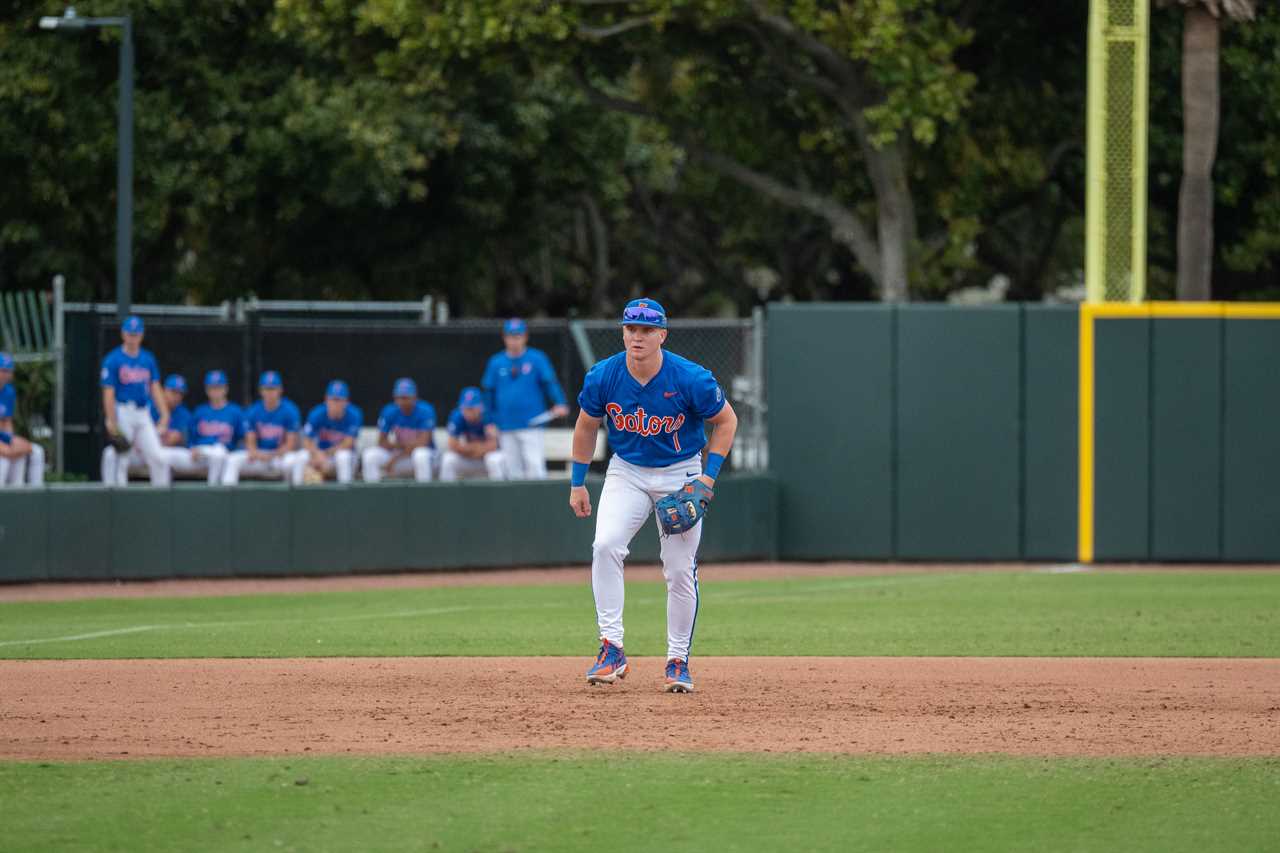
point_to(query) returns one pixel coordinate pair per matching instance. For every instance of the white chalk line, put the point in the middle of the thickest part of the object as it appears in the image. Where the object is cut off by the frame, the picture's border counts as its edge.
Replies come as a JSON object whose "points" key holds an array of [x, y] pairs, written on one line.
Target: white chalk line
{"points": [[762, 595], [238, 623]]}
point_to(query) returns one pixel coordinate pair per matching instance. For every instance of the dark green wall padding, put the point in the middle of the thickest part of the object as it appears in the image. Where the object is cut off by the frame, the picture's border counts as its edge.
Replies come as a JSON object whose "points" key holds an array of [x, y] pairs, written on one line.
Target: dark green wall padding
{"points": [[923, 432], [88, 532]]}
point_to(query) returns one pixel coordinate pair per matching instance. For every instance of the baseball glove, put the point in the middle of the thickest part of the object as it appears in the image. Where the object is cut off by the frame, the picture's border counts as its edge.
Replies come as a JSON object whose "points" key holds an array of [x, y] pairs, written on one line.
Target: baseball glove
{"points": [[119, 442], [680, 511]]}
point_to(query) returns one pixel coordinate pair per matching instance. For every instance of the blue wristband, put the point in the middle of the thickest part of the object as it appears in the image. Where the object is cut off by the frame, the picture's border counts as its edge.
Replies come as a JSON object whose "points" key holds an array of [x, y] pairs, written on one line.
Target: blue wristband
{"points": [[714, 461], [578, 476]]}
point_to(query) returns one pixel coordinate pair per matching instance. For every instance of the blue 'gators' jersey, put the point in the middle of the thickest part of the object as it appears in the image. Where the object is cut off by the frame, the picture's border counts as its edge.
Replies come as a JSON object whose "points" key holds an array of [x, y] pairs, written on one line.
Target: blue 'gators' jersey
{"points": [[517, 389], [405, 427], [272, 426], [179, 421], [659, 423], [466, 431], [326, 432], [223, 426], [8, 401], [130, 375]]}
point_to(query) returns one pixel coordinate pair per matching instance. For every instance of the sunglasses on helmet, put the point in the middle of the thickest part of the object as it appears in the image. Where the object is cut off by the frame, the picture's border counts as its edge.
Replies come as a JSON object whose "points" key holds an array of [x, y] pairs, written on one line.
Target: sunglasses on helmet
{"points": [[640, 314]]}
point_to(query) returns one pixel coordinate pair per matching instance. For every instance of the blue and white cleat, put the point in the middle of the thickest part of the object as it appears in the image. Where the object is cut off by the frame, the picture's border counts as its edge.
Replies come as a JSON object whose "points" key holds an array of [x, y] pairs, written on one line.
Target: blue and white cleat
{"points": [[678, 678], [610, 665]]}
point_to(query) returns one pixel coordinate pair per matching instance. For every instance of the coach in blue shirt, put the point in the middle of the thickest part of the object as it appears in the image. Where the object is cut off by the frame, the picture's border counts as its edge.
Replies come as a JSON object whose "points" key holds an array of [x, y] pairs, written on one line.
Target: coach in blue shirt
{"points": [[523, 395]]}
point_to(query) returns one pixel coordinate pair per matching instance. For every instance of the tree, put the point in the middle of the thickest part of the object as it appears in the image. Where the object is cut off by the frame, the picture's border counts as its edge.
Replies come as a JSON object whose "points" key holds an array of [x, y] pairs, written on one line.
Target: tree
{"points": [[1201, 39], [877, 77]]}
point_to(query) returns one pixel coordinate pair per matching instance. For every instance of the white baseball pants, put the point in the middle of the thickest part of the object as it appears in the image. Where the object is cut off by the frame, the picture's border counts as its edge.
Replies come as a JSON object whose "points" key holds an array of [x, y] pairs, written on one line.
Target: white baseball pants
{"points": [[417, 464], [524, 453], [115, 465], [455, 466], [207, 459], [25, 470], [288, 466], [341, 464], [136, 425], [626, 501]]}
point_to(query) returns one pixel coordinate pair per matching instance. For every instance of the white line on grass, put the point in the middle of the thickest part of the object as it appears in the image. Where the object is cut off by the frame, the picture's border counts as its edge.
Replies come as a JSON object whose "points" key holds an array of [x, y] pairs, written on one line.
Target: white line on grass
{"points": [[761, 595], [238, 623]]}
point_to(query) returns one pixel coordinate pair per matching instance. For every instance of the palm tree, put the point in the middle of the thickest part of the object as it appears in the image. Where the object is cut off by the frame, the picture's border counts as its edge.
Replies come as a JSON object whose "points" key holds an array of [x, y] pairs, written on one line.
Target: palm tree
{"points": [[1200, 47]]}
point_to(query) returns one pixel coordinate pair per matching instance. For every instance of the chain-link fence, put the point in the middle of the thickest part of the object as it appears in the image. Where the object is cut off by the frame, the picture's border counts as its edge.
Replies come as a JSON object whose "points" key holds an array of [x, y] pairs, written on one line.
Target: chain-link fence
{"points": [[373, 346]]}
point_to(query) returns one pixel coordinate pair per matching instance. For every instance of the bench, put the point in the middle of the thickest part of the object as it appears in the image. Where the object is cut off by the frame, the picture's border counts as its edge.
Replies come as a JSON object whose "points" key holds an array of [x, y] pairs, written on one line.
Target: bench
{"points": [[557, 442]]}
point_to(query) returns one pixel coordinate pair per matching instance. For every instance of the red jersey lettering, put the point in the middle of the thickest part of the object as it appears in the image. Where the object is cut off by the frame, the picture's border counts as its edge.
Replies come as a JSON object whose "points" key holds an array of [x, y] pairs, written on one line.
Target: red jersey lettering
{"points": [[646, 425]]}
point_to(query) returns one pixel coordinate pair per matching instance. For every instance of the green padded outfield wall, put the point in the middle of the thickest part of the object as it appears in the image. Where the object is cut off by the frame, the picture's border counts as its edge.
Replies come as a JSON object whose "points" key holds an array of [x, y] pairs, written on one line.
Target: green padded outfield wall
{"points": [[831, 412], [905, 432], [1122, 443], [88, 532], [1050, 438], [1251, 440], [959, 433], [1186, 439]]}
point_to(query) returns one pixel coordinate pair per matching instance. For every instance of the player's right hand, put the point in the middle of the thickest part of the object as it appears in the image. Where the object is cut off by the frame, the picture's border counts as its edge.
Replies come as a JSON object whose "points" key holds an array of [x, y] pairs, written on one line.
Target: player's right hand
{"points": [[112, 429], [580, 501]]}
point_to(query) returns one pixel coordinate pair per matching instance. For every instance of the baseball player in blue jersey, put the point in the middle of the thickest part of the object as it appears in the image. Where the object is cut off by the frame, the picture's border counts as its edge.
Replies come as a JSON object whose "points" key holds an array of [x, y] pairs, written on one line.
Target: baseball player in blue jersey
{"points": [[329, 435], [653, 404], [271, 441], [21, 460], [216, 428], [130, 378], [473, 441], [523, 395], [115, 465], [406, 444]]}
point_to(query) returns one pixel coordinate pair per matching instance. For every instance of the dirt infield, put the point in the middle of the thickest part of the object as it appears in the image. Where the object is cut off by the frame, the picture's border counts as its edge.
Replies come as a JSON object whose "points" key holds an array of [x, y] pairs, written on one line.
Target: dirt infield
{"points": [[1030, 706]]}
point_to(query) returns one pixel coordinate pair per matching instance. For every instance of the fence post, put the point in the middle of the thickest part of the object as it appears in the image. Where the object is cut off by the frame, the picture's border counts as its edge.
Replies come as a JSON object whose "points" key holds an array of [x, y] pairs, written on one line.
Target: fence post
{"points": [[757, 389], [59, 369]]}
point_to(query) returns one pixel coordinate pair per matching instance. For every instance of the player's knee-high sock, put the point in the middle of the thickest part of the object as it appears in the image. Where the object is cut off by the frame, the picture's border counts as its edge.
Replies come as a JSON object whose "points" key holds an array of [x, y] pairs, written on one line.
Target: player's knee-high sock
{"points": [[623, 509], [680, 567], [35, 466], [422, 464], [374, 459], [231, 468], [344, 463], [494, 465], [108, 466]]}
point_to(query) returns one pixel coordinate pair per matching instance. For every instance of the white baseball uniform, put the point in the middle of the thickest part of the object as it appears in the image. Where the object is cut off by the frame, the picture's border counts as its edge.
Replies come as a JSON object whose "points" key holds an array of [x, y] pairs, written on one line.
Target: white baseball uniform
{"points": [[657, 435]]}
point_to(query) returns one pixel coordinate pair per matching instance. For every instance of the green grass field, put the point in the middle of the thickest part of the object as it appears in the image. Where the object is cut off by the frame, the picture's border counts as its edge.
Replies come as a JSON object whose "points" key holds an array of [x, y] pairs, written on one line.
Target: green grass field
{"points": [[1221, 613], [642, 802], [619, 802]]}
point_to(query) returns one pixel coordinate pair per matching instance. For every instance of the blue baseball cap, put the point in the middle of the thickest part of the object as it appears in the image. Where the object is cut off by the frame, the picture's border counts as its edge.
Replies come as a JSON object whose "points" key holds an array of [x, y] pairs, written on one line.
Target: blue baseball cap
{"points": [[644, 312], [337, 390], [133, 325], [515, 326], [405, 387], [270, 379], [176, 382], [6, 361], [215, 378], [470, 398]]}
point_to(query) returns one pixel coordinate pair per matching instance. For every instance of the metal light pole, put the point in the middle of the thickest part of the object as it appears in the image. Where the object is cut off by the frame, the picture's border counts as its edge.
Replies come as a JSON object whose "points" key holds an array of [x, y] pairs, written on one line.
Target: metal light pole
{"points": [[70, 21]]}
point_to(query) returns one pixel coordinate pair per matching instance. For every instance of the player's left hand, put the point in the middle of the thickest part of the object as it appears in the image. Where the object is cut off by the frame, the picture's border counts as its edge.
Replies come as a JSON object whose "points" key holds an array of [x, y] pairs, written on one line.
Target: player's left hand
{"points": [[559, 410]]}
